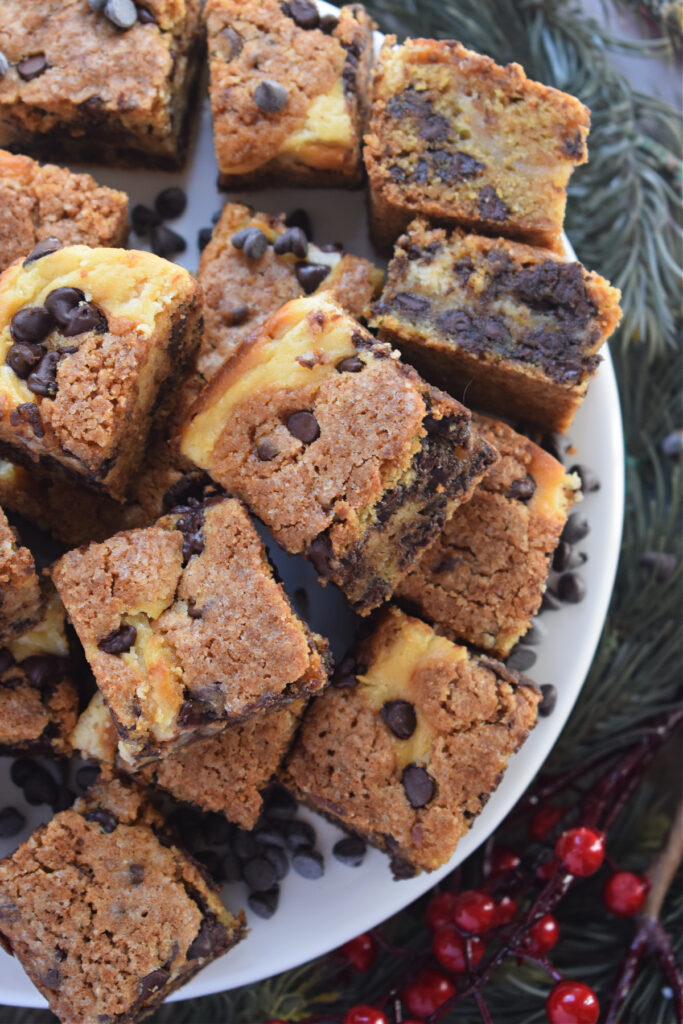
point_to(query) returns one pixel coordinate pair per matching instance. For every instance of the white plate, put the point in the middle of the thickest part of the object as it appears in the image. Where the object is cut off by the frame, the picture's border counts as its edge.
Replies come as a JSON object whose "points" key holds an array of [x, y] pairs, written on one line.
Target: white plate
{"points": [[314, 917]]}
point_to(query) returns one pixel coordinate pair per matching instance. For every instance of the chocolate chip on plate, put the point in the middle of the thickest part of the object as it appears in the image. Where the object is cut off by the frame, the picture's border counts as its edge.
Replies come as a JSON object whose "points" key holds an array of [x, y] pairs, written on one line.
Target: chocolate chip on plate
{"points": [[400, 717], [418, 785], [31, 324], [21, 770], [521, 658], [231, 869], [64, 798], [590, 480], [203, 238], [171, 203], [304, 13], [40, 787], [85, 317], [279, 861], [299, 219], [244, 844], [571, 588], [279, 804], [299, 834], [23, 357], [11, 822], [44, 248], [352, 364], [350, 851], [143, 219], [119, 641], [576, 528], [43, 380], [304, 426], [550, 602], [61, 303], [32, 67], [217, 829], [308, 863], [86, 775], [268, 835], [264, 904], [270, 96], [310, 275], [166, 242], [259, 874], [535, 634], [549, 700], [121, 13]]}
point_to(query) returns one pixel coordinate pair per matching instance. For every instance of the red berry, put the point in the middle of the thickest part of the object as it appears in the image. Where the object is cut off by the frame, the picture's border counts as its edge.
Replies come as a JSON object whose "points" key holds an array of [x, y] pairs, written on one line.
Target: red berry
{"points": [[363, 1014], [440, 910], [547, 869], [581, 850], [506, 908], [448, 946], [473, 911], [544, 821], [624, 893], [427, 993], [503, 859], [361, 951], [572, 1002], [543, 935]]}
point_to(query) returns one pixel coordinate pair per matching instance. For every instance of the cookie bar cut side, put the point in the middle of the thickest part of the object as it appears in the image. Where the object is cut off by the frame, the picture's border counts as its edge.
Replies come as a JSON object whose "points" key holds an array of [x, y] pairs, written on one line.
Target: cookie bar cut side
{"points": [[21, 598]]}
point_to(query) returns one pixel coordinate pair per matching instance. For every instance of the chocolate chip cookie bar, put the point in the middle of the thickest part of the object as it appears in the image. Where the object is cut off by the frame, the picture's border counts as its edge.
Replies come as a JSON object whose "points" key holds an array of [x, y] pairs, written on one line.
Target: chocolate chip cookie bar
{"points": [[483, 579], [89, 341], [457, 138], [410, 740], [515, 327], [223, 774], [289, 91], [21, 600], [99, 83], [185, 628], [106, 914], [38, 700], [40, 201], [254, 263], [344, 452]]}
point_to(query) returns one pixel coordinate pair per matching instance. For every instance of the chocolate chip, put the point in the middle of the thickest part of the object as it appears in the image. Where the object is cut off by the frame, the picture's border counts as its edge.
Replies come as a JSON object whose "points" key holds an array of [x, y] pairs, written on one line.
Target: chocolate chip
{"points": [[6, 659], [211, 861], [21, 771], [144, 219], [4, 65], [40, 787], [203, 238], [304, 13], [661, 563], [255, 244], [145, 17], [521, 658], [672, 445], [350, 851], [491, 206], [188, 826], [32, 67], [345, 674], [23, 357], [64, 798], [308, 863], [299, 219], [259, 874], [400, 717], [153, 982], [44, 248], [589, 480], [352, 364], [231, 869], [419, 786], [571, 588], [240, 237], [244, 844], [412, 305], [85, 317], [523, 489], [549, 700], [27, 412], [52, 978], [103, 817], [292, 240], [536, 633], [62, 302], [299, 834], [278, 860], [270, 835], [217, 829], [435, 128], [576, 528], [119, 641], [191, 525], [211, 938], [235, 43], [328, 23], [166, 242], [304, 426], [44, 671], [264, 904], [320, 554], [270, 96], [121, 13], [266, 450], [171, 203], [43, 380], [311, 275], [561, 556], [87, 775], [32, 324], [402, 869], [550, 602], [11, 822], [279, 804]]}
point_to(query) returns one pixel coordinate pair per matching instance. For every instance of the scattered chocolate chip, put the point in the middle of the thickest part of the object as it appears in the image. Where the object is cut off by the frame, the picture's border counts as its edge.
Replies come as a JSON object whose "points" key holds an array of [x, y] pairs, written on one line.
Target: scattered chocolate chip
{"points": [[62, 302], [576, 528], [255, 244], [521, 658], [264, 904], [103, 817], [311, 275], [6, 659], [4, 65], [153, 982], [64, 799], [143, 219], [549, 700], [400, 717], [279, 804], [210, 938], [352, 364], [304, 426], [589, 479], [244, 844], [43, 380], [44, 248], [11, 822], [259, 874], [40, 787], [308, 863], [119, 641], [536, 633], [299, 834], [278, 860], [270, 96], [240, 237], [522, 490], [145, 17], [292, 240], [192, 611], [191, 525], [328, 23], [121, 13], [85, 317], [32, 324], [188, 825], [571, 588], [21, 770], [231, 869], [418, 785], [345, 674], [435, 128], [87, 775], [561, 556], [32, 67], [550, 602], [171, 203], [299, 219], [166, 242], [210, 860], [266, 450], [23, 357], [217, 829], [411, 305], [96, 5], [195, 711], [304, 13], [44, 671], [402, 869], [203, 238], [672, 445], [491, 206], [350, 851], [662, 564]]}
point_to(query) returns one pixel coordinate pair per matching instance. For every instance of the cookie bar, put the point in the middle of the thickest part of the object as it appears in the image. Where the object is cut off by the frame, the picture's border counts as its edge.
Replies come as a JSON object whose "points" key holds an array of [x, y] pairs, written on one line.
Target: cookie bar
{"points": [[459, 139], [21, 600], [344, 452], [43, 201], [406, 748], [89, 341], [185, 629], [483, 579], [91, 88], [245, 282], [289, 91], [105, 914], [515, 327], [224, 774], [38, 700]]}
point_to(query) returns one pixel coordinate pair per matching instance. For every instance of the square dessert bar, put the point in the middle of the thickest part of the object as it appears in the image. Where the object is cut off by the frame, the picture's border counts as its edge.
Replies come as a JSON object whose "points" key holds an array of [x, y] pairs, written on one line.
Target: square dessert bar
{"points": [[409, 742], [105, 914], [223, 774], [484, 577], [459, 139], [38, 700], [89, 341], [39, 201], [186, 629], [254, 264], [515, 327], [112, 86], [344, 452], [21, 599], [289, 91]]}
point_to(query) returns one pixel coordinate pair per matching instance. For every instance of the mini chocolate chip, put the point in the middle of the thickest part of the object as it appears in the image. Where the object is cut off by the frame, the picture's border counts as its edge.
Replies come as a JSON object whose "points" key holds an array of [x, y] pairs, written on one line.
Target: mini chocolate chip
{"points": [[145, 17], [40, 787], [194, 711], [270, 835], [401, 869], [192, 611], [23, 357], [85, 317], [589, 479], [255, 244], [270, 96], [32, 324], [328, 23], [32, 67], [672, 444], [320, 554], [103, 817], [203, 238], [171, 203], [523, 489], [661, 563], [345, 674], [352, 364], [536, 633], [547, 704], [153, 982], [62, 302], [119, 641], [44, 248], [121, 13], [299, 834], [521, 658], [21, 771], [166, 242], [311, 275], [279, 804], [266, 450], [419, 786], [561, 556], [264, 904], [299, 219], [350, 851], [87, 775], [292, 240], [43, 380], [571, 588], [4, 65], [44, 671], [211, 938], [278, 860], [259, 874], [576, 528], [304, 13], [11, 822], [308, 863], [400, 717], [304, 426], [550, 602], [143, 219]]}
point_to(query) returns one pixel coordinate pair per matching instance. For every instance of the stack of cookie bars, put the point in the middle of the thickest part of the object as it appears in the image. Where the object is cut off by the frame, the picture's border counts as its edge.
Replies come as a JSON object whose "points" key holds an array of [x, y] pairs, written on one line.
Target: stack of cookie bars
{"points": [[145, 414]]}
